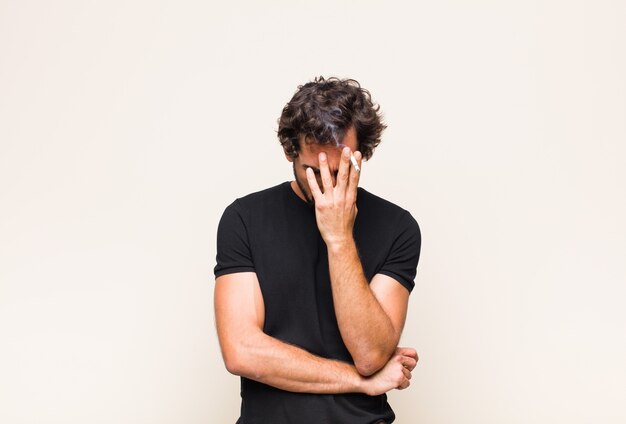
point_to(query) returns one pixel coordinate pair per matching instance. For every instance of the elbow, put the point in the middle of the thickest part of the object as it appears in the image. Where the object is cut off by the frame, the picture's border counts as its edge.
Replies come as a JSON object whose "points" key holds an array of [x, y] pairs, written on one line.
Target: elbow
{"points": [[242, 366], [365, 369], [234, 363], [241, 355], [370, 364], [232, 366]]}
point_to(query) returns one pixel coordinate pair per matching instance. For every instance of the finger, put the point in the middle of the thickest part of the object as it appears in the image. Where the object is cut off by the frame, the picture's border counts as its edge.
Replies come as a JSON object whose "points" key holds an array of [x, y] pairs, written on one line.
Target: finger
{"points": [[344, 169], [354, 180], [327, 180], [406, 351], [315, 189], [407, 373], [408, 363], [404, 385]]}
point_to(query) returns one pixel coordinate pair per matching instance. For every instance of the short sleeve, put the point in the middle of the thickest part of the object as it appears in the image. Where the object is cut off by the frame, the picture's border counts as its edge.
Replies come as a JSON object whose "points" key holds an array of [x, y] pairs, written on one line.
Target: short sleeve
{"points": [[233, 248], [401, 262]]}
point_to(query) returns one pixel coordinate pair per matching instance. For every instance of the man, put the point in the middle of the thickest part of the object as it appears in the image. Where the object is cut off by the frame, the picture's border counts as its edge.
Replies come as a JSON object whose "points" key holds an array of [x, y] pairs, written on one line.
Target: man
{"points": [[311, 296]]}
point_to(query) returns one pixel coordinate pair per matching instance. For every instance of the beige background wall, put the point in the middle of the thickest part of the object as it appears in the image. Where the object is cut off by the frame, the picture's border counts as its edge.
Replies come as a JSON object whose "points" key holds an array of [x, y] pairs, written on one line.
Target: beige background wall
{"points": [[127, 126]]}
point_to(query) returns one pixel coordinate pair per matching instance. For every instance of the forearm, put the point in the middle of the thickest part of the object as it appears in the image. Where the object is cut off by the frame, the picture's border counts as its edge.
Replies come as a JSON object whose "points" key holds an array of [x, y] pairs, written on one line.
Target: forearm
{"points": [[267, 360], [367, 331]]}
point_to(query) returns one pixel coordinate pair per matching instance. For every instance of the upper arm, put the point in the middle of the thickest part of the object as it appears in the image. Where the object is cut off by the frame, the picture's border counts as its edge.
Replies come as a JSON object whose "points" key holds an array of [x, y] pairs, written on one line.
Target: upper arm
{"points": [[394, 281], [393, 297], [239, 312]]}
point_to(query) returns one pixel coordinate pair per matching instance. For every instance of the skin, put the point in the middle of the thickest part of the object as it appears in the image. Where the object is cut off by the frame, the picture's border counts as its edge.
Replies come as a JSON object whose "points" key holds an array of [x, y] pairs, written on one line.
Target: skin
{"points": [[370, 316], [250, 353]]}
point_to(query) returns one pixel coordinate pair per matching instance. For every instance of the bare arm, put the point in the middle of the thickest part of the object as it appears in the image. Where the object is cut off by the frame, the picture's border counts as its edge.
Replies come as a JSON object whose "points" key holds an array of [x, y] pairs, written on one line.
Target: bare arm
{"points": [[250, 353], [370, 316]]}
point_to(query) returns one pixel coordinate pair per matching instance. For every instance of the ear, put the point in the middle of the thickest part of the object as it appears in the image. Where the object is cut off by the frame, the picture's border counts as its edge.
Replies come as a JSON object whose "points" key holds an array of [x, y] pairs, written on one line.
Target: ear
{"points": [[289, 158]]}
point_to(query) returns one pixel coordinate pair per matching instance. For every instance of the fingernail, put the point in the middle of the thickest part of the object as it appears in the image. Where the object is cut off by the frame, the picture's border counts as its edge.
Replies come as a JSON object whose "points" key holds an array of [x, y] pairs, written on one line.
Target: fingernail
{"points": [[346, 152], [322, 156]]}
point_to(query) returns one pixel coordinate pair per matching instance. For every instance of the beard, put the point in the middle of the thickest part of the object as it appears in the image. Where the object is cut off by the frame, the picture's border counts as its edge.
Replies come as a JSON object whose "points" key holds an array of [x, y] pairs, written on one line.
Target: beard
{"points": [[303, 188]]}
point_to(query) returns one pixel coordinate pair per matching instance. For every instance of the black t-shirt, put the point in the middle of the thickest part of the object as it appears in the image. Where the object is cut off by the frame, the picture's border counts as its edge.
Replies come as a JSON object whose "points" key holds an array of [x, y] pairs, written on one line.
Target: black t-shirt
{"points": [[274, 234]]}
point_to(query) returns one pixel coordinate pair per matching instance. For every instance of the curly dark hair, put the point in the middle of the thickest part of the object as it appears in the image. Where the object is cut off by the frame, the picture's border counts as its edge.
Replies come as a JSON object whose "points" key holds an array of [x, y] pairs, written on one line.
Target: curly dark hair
{"points": [[323, 110]]}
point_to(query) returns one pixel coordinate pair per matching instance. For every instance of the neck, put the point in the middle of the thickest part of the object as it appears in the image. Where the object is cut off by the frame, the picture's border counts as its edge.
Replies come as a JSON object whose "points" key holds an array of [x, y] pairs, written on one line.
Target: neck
{"points": [[296, 188]]}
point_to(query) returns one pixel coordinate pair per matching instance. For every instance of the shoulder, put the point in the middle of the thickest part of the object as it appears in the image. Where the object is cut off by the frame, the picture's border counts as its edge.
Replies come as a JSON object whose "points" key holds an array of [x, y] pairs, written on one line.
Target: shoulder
{"points": [[268, 193], [390, 235], [374, 206], [385, 220], [372, 199], [257, 199], [241, 219]]}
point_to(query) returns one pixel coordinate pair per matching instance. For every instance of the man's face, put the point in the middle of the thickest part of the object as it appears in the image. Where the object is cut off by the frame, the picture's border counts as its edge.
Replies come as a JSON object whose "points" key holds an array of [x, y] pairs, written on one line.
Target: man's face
{"points": [[308, 157]]}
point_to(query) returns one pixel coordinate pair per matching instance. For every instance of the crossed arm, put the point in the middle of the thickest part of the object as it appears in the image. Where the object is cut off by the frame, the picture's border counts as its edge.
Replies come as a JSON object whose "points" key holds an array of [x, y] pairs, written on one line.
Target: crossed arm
{"points": [[250, 353], [370, 316]]}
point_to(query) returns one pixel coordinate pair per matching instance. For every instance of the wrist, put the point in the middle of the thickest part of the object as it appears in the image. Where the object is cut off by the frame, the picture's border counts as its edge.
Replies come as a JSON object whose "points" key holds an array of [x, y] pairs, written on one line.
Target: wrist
{"points": [[361, 384], [340, 245]]}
